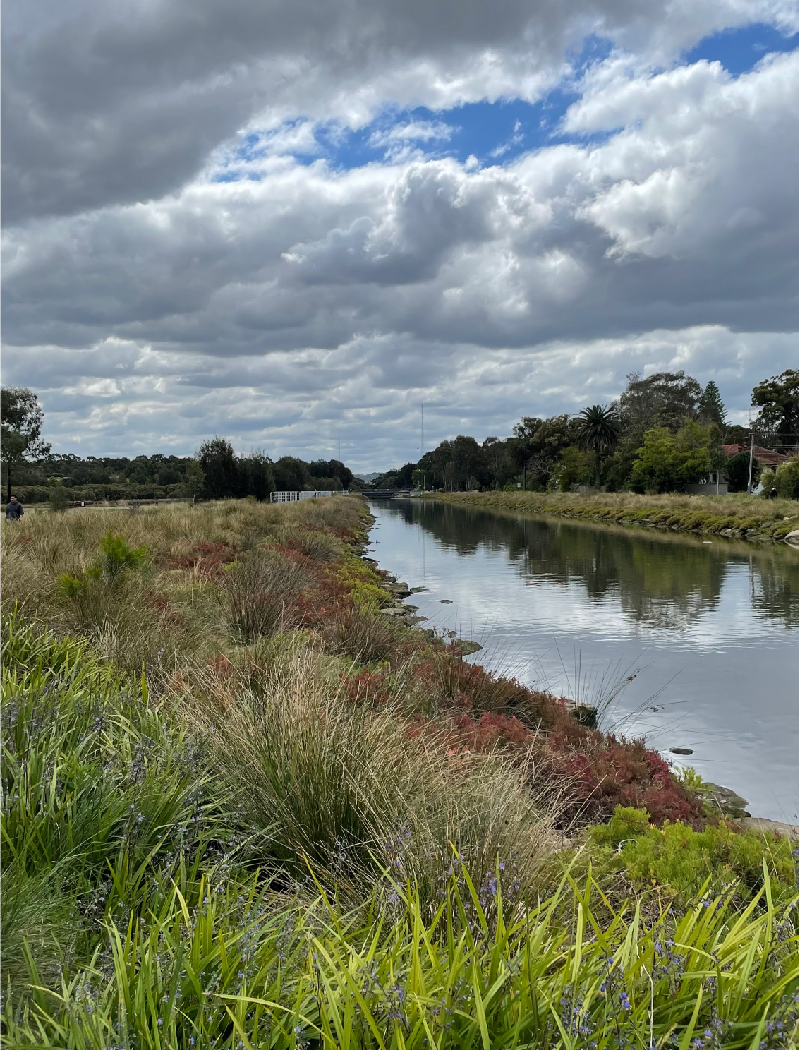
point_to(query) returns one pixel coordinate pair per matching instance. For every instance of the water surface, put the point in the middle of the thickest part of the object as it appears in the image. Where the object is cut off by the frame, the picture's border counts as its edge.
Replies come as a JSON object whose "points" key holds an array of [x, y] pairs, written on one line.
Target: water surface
{"points": [[708, 628]]}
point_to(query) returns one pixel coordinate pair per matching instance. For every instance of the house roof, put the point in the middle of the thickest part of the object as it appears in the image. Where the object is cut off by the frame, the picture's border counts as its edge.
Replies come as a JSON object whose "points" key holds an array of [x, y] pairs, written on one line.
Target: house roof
{"points": [[764, 456]]}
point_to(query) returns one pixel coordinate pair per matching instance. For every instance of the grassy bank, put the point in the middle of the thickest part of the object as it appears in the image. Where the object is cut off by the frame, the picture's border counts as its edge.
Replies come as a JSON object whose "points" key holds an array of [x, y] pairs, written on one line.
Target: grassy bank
{"points": [[244, 808], [740, 516]]}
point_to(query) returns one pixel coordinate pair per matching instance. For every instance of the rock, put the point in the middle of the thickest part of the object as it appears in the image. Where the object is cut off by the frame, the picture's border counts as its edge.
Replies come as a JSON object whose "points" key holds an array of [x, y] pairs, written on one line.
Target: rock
{"points": [[399, 590], [681, 751], [724, 799], [445, 601], [793, 538], [465, 646], [762, 824], [394, 610], [418, 590]]}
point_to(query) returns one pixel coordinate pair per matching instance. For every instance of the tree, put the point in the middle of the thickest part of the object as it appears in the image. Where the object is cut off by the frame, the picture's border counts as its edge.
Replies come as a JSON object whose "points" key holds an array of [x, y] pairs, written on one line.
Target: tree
{"points": [[574, 467], [21, 420], [598, 431], [218, 461], [664, 399], [737, 471], [711, 409], [538, 443], [777, 397], [786, 479], [195, 479], [291, 474], [667, 462], [255, 475]]}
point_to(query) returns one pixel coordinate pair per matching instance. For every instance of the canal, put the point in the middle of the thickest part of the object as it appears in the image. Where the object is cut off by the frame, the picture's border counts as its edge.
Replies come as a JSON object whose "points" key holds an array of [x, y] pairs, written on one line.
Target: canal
{"points": [[690, 644]]}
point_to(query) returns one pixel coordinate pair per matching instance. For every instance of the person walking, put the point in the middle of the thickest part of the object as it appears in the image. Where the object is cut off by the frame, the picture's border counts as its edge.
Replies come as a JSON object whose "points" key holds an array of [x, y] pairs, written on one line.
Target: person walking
{"points": [[14, 510]]}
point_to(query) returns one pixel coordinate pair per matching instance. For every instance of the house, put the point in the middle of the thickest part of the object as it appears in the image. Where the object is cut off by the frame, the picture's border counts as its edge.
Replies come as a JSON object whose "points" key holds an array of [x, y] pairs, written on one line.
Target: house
{"points": [[765, 457]]}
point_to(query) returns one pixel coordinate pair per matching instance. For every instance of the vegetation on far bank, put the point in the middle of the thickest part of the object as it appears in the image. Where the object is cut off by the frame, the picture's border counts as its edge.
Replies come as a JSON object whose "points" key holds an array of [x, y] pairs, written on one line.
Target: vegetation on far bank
{"points": [[242, 807], [740, 515], [664, 433]]}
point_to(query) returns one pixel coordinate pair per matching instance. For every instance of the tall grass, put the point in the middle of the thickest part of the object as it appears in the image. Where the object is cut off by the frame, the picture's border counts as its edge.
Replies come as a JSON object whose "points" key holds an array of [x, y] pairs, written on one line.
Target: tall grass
{"points": [[352, 792]]}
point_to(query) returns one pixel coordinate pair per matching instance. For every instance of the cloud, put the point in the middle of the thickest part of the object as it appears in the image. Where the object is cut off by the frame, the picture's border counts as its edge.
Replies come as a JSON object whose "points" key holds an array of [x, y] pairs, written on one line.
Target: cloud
{"points": [[366, 393], [182, 258], [107, 104]]}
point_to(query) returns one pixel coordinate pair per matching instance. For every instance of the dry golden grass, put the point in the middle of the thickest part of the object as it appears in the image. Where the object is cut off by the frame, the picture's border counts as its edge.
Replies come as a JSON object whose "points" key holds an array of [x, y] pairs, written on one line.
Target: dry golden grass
{"points": [[169, 612]]}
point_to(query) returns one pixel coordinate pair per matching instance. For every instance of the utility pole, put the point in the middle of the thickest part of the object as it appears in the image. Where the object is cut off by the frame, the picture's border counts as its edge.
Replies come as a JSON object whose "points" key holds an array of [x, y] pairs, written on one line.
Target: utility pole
{"points": [[752, 443], [422, 437], [339, 438]]}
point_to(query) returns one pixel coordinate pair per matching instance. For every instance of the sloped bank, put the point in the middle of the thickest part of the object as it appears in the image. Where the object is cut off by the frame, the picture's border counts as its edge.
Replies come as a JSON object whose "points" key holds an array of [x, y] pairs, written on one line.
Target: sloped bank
{"points": [[734, 517]]}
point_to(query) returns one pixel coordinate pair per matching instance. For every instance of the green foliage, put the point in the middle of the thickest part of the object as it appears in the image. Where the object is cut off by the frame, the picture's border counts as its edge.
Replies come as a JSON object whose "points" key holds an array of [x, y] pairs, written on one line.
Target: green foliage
{"points": [[97, 589], [21, 420], [221, 964], [662, 400], [118, 556], [786, 479], [575, 467], [737, 470], [58, 496], [678, 860], [711, 408], [667, 462], [218, 462], [778, 399], [362, 583]]}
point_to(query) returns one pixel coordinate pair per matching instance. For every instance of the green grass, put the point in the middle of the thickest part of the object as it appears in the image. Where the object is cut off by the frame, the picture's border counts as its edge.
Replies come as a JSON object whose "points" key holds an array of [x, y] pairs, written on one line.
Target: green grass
{"points": [[735, 515]]}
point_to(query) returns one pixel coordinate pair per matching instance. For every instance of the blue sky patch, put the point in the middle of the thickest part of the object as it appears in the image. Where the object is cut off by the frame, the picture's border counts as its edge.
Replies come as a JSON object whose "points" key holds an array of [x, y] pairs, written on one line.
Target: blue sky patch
{"points": [[739, 50], [492, 132]]}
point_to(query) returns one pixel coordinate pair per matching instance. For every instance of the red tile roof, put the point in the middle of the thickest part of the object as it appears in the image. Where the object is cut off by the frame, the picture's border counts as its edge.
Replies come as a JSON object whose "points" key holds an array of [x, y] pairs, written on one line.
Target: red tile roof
{"points": [[764, 456]]}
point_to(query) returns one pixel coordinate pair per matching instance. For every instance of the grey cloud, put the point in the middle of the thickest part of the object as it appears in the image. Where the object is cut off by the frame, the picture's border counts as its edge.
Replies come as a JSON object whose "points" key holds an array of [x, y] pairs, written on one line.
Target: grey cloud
{"points": [[107, 103], [655, 228]]}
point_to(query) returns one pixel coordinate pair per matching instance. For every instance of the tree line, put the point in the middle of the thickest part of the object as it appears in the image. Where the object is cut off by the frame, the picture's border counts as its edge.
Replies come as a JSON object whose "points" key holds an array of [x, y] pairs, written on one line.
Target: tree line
{"points": [[664, 432], [215, 472]]}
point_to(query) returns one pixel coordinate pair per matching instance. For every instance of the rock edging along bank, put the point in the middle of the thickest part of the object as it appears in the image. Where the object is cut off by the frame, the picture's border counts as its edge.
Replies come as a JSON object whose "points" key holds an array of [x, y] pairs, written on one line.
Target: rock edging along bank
{"points": [[750, 524]]}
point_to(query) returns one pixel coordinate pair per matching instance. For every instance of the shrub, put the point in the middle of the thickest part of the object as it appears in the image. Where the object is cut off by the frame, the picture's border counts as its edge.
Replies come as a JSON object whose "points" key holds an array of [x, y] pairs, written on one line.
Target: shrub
{"points": [[58, 497], [679, 860], [362, 635], [118, 556], [786, 479]]}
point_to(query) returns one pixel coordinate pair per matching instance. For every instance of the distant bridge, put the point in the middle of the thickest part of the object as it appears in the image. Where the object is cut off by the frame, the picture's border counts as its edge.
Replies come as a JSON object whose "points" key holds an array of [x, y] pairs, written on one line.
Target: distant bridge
{"points": [[385, 493]]}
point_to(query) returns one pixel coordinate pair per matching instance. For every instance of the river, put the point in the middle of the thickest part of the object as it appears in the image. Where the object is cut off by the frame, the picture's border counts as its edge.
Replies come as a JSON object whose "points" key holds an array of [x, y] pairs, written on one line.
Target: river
{"points": [[707, 630]]}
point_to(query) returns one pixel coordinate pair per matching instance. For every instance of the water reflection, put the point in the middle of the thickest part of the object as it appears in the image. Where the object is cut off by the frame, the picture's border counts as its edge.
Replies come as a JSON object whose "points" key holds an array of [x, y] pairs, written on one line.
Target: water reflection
{"points": [[561, 604], [658, 580]]}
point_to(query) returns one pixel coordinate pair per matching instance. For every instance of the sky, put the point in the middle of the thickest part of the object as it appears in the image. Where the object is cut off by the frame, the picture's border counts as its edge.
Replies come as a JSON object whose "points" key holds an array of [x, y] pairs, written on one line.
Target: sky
{"points": [[292, 223]]}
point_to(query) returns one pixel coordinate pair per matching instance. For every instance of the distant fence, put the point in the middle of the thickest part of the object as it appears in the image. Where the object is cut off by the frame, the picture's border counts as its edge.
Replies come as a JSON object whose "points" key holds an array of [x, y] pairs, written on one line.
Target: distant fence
{"points": [[292, 497]]}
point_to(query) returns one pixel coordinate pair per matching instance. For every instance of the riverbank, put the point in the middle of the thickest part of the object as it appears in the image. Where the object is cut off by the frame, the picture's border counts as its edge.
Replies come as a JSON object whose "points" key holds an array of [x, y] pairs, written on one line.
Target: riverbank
{"points": [[735, 517], [239, 792]]}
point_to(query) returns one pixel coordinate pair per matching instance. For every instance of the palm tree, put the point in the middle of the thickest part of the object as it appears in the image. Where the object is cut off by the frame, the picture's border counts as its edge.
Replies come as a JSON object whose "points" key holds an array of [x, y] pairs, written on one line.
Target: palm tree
{"points": [[598, 431]]}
